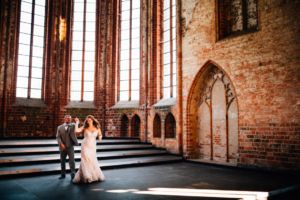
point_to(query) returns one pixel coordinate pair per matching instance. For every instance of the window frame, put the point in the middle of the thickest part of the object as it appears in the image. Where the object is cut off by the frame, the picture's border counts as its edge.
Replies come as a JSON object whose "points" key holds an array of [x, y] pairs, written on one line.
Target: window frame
{"points": [[44, 60]]}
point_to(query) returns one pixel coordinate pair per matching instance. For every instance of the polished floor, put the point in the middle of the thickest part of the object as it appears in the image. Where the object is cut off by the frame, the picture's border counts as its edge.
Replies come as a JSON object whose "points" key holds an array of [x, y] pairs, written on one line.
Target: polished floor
{"points": [[161, 182]]}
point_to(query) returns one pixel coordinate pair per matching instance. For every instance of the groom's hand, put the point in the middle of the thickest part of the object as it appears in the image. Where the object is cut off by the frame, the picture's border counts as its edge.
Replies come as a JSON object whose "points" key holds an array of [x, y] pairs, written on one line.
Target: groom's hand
{"points": [[63, 146]]}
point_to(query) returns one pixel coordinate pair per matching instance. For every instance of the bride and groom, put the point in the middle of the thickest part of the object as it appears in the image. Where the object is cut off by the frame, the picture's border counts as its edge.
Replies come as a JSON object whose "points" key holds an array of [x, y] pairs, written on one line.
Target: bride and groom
{"points": [[89, 169]]}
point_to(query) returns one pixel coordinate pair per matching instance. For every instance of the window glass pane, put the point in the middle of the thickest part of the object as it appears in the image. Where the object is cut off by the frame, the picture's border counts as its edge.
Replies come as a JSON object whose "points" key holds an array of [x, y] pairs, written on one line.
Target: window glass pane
{"points": [[39, 20], [89, 66], [90, 46], [166, 4], [135, 74], [88, 86], [78, 17], [38, 41], [174, 44], [135, 85], [167, 35], [38, 30], [25, 17], [76, 75], [91, 1], [89, 76], [173, 9], [135, 95], [135, 43], [24, 49], [124, 34], [167, 80], [40, 2], [77, 45], [89, 55], [37, 51], [88, 96], [90, 36], [124, 95], [21, 92], [125, 15], [78, 7], [24, 39], [135, 64], [26, 7], [37, 62], [125, 5], [174, 68], [136, 13], [124, 64], [124, 75], [167, 24], [35, 93], [36, 83], [174, 91], [23, 71], [124, 44], [125, 24], [167, 69], [173, 33], [36, 72], [174, 79], [136, 23], [76, 55], [166, 14], [23, 60], [76, 96], [124, 85], [135, 53], [167, 58], [136, 4], [135, 33], [90, 26], [78, 26], [39, 10], [173, 21], [124, 54], [76, 65], [167, 93], [25, 28], [22, 82], [167, 46], [76, 86], [90, 8]]}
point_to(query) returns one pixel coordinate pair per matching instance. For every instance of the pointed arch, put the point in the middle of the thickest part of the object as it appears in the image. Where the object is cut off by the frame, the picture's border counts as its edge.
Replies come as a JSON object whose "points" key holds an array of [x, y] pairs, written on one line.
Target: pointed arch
{"points": [[124, 126], [170, 126], [135, 126], [157, 126]]}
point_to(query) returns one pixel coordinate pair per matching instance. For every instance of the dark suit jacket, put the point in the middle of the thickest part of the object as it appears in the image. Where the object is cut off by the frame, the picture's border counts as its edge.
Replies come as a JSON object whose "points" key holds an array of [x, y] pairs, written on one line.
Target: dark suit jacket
{"points": [[61, 134]]}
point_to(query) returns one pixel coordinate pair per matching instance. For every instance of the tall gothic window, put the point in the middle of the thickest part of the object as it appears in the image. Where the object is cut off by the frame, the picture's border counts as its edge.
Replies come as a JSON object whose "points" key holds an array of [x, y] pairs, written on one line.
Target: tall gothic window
{"points": [[31, 49], [83, 50], [169, 49], [130, 50]]}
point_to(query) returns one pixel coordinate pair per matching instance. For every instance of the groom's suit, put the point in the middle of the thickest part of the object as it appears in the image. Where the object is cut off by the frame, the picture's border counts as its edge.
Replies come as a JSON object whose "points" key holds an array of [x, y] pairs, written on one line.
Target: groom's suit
{"points": [[66, 135]]}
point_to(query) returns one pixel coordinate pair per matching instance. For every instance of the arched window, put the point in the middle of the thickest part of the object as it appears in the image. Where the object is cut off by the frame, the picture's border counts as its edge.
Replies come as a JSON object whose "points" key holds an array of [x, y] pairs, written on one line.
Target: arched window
{"points": [[130, 50], [170, 126], [136, 126], [156, 126], [83, 50], [31, 49], [124, 126], [169, 49]]}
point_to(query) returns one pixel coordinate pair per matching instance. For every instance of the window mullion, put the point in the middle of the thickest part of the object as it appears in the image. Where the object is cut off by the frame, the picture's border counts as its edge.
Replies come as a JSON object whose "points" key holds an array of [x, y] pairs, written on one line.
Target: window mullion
{"points": [[130, 45], [31, 49], [83, 50]]}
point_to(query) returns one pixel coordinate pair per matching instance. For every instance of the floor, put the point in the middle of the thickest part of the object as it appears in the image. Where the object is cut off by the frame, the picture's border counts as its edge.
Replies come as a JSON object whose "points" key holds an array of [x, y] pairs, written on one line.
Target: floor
{"points": [[151, 182]]}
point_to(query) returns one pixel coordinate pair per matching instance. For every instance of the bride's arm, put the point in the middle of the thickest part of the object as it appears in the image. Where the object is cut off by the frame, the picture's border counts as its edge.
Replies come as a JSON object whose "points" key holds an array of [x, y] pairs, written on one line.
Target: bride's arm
{"points": [[99, 134], [78, 130]]}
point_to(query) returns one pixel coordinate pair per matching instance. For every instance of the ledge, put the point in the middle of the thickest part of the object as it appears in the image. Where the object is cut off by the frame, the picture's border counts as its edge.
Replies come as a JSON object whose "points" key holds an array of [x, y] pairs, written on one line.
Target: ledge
{"points": [[126, 104], [39, 103], [81, 104], [165, 102], [213, 162]]}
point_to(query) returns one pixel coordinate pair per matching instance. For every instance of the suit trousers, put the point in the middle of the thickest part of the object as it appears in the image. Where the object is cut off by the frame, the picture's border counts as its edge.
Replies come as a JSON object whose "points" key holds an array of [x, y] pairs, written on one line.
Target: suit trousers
{"points": [[63, 155]]}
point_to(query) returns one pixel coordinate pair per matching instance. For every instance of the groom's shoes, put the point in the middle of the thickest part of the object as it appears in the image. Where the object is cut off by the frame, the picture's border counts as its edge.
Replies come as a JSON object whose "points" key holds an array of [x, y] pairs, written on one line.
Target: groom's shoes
{"points": [[62, 176]]}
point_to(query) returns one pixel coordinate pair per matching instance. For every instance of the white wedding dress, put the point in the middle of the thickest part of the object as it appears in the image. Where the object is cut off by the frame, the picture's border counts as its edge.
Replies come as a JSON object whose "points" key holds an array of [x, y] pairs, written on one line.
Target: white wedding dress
{"points": [[89, 169]]}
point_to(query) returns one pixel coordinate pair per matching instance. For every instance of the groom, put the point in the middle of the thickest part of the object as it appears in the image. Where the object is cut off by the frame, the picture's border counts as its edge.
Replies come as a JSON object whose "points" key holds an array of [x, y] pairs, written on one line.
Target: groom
{"points": [[66, 139]]}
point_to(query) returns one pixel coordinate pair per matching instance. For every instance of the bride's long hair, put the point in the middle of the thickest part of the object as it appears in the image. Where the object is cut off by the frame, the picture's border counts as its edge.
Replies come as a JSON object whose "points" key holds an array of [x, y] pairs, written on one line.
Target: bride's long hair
{"points": [[95, 122]]}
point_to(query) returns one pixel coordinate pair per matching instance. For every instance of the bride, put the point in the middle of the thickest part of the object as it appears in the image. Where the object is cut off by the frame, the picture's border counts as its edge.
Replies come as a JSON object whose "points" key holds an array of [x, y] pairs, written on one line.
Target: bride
{"points": [[89, 169]]}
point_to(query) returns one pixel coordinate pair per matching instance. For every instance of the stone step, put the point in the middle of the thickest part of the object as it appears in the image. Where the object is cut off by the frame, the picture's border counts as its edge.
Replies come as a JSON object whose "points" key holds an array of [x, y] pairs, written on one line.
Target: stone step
{"points": [[104, 164], [56, 157], [52, 141], [24, 150]]}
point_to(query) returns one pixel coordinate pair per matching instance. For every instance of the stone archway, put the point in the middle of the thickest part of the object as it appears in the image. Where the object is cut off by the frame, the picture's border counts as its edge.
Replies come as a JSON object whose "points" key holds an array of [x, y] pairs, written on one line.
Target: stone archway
{"points": [[135, 126], [124, 126], [213, 116]]}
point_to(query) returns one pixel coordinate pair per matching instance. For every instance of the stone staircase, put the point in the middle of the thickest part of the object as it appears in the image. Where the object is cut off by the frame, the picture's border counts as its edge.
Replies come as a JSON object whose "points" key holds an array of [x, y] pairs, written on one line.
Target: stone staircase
{"points": [[40, 156]]}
